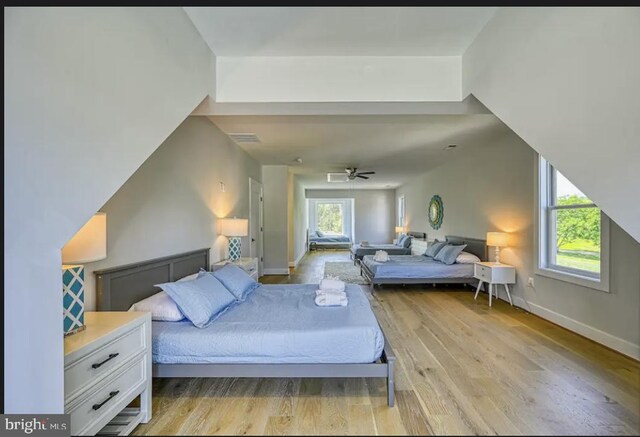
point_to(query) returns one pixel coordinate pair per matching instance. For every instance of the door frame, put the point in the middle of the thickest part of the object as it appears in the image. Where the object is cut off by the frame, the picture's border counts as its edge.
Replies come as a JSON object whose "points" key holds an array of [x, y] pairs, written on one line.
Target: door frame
{"points": [[260, 237]]}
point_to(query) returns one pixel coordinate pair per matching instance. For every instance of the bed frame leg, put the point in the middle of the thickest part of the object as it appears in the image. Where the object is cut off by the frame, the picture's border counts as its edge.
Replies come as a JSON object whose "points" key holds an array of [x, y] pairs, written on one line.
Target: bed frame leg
{"points": [[391, 396]]}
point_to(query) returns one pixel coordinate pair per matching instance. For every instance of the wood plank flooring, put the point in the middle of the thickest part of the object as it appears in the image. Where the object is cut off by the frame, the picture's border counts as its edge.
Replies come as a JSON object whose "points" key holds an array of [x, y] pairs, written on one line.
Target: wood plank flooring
{"points": [[463, 368]]}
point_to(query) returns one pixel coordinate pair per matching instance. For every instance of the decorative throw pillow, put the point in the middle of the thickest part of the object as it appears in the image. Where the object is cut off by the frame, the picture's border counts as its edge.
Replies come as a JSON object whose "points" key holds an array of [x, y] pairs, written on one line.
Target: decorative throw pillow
{"points": [[400, 241], [449, 253], [320, 234], [236, 280], [190, 277], [161, 307], [406, 243], [202, 300], [434, 248], [467, 258]]}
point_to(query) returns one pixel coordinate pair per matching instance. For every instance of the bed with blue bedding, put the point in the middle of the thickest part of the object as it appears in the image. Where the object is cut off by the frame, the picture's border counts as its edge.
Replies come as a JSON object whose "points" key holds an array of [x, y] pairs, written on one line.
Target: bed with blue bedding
{"points": [[327, 240], [277, 332], [276, 324], [421, 269]]}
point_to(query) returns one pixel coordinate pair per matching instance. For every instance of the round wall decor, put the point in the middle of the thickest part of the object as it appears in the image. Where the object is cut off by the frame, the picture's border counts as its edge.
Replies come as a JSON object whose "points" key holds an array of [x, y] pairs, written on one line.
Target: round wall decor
{"points": [[436, 212]]}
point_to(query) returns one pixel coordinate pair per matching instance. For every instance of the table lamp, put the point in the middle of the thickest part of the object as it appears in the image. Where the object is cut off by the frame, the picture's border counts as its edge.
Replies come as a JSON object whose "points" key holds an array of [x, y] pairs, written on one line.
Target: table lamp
{"points": [[498, 240], [89, 244], [399, 230], [234, 228]]}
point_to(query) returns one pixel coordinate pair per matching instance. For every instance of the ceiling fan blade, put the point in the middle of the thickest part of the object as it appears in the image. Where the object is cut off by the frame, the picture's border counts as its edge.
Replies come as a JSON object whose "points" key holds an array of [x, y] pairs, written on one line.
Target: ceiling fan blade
{"points": [[367, 172], [361, 177]]}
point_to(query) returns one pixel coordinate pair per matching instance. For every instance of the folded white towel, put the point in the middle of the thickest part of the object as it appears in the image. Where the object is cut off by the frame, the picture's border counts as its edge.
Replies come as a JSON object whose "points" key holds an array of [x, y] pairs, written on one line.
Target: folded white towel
{"points": [[331, 284], [337, 292], [331, 300], [381, 256]]}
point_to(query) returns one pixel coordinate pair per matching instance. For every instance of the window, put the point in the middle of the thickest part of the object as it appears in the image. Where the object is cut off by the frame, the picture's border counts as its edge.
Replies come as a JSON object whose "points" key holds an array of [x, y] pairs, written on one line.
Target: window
{"points": [[401, 215], [573, 232], [330, 217]]}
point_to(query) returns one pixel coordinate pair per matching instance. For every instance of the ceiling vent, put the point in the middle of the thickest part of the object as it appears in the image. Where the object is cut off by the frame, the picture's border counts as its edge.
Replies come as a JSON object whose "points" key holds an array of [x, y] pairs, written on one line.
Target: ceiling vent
{"points": [[337, 177], [244, 138]]}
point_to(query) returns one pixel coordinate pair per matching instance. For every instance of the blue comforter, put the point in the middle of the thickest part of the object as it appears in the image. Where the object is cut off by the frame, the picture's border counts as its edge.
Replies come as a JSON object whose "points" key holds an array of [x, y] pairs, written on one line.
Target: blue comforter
{"points": [[416, 266], [330, 239], [277, 324]]}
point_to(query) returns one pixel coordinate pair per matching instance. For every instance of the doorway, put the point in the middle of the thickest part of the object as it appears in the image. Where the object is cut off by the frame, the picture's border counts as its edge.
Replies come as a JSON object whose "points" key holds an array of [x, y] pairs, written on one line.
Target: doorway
{"points": [[256, 228]]}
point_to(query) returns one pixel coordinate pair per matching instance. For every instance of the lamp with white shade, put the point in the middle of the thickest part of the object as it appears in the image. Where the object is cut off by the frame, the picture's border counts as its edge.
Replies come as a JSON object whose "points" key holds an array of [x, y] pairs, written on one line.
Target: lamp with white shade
{"points": [[89, 244], [498, 240], [400, 230], [234, 228]]}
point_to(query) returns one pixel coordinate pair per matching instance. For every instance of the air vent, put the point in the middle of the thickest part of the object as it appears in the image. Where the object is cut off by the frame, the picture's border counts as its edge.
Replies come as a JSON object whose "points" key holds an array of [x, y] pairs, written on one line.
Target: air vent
{"points": [[337, 177], [245, 138]]}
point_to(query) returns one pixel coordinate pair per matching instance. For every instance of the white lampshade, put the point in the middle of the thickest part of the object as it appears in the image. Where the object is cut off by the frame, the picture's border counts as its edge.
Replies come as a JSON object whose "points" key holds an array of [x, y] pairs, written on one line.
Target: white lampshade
{"points": [[235, 227], [399, 229], [90, 242], [497, 239]]}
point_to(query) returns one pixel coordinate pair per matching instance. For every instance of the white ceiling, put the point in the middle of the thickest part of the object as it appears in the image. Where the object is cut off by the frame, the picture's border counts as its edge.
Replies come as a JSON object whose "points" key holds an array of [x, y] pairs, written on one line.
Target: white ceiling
{"points": [[337, 31], [396, 147]]}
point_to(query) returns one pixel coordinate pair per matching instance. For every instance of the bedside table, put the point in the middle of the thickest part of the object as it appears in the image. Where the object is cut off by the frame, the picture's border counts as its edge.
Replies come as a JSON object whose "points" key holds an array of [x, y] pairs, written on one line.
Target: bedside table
{"points": [[494, 274], [249, 265], [106, 366]]}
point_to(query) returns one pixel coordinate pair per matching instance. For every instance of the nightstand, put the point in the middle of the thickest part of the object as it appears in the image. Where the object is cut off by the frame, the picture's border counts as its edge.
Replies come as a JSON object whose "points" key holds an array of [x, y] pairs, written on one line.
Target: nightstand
{"points": [[249, 265], [494, 274], [106, 366]]}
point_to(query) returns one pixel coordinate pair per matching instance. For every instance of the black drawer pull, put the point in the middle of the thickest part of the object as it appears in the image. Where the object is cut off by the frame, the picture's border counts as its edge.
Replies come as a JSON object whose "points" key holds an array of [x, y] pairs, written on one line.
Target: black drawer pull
{"points": [[111, 396], [111, 357]]}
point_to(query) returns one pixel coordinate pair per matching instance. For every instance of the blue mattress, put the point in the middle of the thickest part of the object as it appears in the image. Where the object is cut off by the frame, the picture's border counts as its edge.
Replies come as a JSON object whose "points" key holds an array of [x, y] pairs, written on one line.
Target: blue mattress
{"points": [[330, 239], [416, 266], [276, 324], [391, 249]]}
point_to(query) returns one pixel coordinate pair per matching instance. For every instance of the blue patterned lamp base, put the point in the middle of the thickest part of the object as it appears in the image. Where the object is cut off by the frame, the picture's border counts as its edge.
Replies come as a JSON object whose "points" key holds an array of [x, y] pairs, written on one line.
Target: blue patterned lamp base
{"points": [[234, 248], [73, 299]]}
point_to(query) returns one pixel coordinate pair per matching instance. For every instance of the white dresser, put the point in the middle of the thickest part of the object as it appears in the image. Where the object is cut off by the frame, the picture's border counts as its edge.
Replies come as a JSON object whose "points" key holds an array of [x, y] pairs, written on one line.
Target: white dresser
{"points": [[249, 265], [107, 366]]}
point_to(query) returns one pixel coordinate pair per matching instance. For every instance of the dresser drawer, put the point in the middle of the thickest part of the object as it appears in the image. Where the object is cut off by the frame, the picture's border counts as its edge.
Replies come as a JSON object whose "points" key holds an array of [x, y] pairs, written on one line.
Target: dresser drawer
{"points": [[111, 396], [483, 273], [88, 370]]}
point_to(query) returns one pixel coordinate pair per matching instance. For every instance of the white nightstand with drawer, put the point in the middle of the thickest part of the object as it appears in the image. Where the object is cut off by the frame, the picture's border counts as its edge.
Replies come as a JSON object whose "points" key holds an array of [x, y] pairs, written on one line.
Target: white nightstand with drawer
{"points": [[249, 265], [106, 366], [494, 274]]}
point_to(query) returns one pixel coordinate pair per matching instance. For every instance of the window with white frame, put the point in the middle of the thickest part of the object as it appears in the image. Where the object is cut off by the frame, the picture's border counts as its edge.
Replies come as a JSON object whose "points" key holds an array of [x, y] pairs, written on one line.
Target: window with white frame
{"points": [[331, 216], [573, 232], [401, 211]]}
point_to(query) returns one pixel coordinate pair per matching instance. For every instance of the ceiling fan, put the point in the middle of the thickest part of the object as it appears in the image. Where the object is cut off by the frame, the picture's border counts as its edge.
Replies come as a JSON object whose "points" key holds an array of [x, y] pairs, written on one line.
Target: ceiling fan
{"points": [[352, 173]]}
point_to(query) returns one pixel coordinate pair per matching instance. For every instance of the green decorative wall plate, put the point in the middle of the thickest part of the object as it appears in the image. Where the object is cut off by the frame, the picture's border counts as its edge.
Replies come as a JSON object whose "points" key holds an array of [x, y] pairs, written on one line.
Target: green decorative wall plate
{"points": [[436, 212]]}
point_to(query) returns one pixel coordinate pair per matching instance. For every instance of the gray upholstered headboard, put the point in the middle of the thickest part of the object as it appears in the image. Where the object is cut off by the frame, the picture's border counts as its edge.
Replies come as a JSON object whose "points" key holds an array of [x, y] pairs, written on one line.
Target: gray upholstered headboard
{"points": [[118, 288], [474, 245], [419, 235]]}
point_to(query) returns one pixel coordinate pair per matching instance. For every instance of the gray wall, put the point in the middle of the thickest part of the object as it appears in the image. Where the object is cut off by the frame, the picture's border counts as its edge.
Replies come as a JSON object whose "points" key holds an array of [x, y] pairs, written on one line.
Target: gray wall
{"points": [[172, 203], [491, 188], [89, 95], [275, 183], [374, 212]]}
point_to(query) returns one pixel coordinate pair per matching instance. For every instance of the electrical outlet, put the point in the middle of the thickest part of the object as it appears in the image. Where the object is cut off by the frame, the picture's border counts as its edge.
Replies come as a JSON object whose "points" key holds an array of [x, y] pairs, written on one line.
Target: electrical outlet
{"points": [[530, 282], [222, 187]]}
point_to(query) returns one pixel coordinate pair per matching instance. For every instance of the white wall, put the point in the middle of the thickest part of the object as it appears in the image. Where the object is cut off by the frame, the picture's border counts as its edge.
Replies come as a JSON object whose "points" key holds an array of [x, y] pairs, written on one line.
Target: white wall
{"points": [[172, 203], [374, 212], [566, 81], [338, 79], [275, 184], [300, 220], [89, 95], [491, 188]]}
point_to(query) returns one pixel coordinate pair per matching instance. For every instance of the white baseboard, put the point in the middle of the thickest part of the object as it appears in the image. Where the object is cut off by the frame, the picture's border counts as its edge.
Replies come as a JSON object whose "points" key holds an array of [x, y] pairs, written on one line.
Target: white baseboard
{"points": [[616, 343], [275, 272], [295, 263]]}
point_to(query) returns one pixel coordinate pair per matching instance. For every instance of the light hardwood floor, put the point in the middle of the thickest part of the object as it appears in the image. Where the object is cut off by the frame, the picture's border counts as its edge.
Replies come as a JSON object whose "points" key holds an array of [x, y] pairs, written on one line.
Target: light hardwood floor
{"points": [[463, 368]]}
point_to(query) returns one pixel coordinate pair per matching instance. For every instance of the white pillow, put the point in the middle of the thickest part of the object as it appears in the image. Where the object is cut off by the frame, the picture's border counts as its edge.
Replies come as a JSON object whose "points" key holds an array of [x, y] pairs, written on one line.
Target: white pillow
{"points": [[161, 307], [467, 258]]}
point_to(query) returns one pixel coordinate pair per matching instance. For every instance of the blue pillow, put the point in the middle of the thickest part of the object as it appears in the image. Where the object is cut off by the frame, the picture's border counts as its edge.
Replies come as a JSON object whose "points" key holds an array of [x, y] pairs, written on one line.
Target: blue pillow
{"points": [[449, 253], [236, 280], [435, 247], [406, 243], [401, 240], [320, 234], [202, 300]]}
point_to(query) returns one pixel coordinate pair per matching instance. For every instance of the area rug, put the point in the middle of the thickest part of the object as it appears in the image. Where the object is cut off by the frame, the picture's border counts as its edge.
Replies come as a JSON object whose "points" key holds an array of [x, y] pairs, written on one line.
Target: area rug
{"points": [[346, 271]]}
